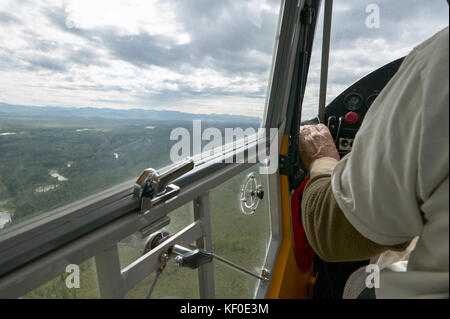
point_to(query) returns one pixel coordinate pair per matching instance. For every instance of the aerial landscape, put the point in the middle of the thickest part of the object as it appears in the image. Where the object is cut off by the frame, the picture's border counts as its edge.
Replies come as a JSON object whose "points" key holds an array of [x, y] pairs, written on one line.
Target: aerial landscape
{"points": [[54, 156]]}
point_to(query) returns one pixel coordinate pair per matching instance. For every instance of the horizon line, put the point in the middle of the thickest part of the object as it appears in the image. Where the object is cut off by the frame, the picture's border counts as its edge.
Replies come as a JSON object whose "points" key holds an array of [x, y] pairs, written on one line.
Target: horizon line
{"points": [[130, 109]]}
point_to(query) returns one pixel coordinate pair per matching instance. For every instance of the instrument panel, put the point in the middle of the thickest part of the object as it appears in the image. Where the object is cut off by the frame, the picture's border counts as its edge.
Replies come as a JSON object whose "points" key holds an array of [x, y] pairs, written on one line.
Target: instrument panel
{"points": [[345, 113]]}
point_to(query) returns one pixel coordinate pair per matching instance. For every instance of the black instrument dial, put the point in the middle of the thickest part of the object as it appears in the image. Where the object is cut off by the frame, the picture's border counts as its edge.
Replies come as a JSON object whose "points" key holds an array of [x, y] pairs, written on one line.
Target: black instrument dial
{"points": [[353, 102]]}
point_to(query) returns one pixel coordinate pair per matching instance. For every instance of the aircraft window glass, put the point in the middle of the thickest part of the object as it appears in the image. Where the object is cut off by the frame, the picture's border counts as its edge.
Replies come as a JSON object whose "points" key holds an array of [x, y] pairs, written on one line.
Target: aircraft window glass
{"points": [[131, 247], [65, 287], [174, 282], [90, 91], [242, 239], [366, 35]]}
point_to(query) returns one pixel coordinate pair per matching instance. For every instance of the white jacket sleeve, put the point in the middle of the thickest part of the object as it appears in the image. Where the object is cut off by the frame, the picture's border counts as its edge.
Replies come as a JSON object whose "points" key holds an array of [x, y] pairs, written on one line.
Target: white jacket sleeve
{"points": [[400, 153]]}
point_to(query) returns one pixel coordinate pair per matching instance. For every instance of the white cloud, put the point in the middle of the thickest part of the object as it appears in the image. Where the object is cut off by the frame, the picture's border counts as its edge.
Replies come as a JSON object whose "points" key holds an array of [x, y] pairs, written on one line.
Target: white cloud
{"points": [[129, 17], [42, 63], [356, 51], [166, 54]]}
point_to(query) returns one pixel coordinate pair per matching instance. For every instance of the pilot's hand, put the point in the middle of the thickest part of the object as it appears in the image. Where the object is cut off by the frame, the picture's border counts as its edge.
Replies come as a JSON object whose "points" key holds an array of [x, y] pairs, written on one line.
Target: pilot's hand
{"points": [[315, 141]]}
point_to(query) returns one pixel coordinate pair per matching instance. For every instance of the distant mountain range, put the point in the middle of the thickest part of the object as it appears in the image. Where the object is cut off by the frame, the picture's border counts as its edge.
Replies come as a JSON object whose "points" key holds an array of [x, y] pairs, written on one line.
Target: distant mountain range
{"points": [[8, 110]]}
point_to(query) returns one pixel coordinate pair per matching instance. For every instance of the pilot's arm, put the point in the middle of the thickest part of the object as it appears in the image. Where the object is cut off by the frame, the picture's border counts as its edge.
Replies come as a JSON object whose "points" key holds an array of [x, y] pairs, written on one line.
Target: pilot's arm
{"points": [[328, 231], [380, 196]]}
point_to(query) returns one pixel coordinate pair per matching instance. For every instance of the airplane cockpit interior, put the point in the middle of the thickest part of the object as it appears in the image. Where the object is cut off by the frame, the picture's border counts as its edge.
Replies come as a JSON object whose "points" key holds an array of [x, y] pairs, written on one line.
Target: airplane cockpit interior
{"points": [[149, 149]]}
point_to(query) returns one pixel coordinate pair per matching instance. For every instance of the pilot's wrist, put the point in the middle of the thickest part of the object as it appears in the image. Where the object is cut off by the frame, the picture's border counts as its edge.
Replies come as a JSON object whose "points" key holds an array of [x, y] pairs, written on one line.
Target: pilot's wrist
{"points": [[322, 166]]}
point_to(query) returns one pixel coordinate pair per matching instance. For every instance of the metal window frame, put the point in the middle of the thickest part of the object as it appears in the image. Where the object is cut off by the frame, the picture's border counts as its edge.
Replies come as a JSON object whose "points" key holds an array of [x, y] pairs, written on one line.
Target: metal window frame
{"points": [[38, 250]]}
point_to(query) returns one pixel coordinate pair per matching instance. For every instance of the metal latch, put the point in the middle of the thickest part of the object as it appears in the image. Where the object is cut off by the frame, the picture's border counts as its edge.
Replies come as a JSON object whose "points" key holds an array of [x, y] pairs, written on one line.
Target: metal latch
{"points": [[152, 188], [194, 258]]}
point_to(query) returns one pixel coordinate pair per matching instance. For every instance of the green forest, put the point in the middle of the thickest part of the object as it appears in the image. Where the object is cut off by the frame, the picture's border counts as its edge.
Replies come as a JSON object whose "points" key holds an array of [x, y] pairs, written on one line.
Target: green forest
{"points": [[50, 160]]}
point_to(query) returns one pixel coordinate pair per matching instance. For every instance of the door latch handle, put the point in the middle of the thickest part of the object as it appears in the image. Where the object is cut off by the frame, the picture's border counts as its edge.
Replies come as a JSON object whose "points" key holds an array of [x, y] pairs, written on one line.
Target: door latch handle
{"points": [[194, 258], [152, 188]]}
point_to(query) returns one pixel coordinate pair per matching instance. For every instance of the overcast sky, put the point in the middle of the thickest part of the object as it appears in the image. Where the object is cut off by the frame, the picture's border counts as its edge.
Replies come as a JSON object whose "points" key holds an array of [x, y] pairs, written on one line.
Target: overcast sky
{"points": [[356, 50], [198, 56]]}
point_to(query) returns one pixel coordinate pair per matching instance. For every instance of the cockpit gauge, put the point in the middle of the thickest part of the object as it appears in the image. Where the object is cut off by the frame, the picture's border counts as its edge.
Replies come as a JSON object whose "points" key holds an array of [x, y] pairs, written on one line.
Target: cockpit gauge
{"points": [[353, 102]]}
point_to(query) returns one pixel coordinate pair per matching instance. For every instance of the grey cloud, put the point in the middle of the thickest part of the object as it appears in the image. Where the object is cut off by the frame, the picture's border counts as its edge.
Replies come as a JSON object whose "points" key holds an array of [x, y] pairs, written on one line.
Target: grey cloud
{"points": [[400, 21], [44, 45], [57, 16], [5, 57], [40, 49], [143, 49], [84, 57], [43, 62], [111, 101], [403, 24], [38, 60], [93, 87], [171, 97], [36, 41], [226, 37], [220, 39], [339, 79], [7, 18]]}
